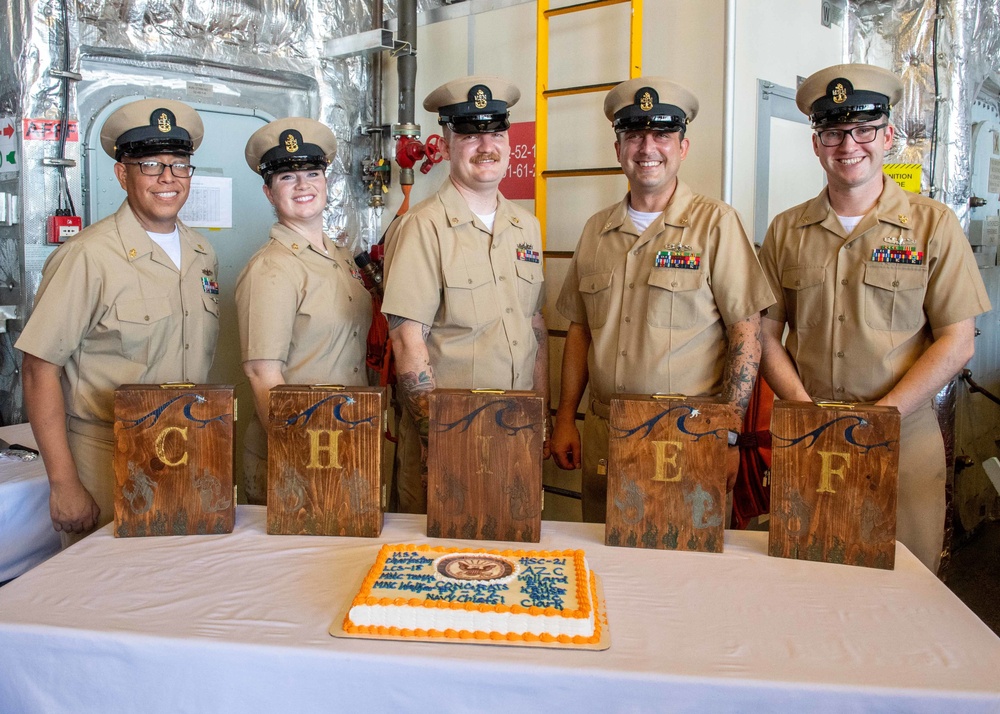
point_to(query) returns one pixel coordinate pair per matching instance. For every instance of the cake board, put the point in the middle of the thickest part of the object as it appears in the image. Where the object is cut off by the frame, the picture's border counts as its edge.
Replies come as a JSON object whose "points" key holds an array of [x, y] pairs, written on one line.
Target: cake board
{"points": [[601, 617]]}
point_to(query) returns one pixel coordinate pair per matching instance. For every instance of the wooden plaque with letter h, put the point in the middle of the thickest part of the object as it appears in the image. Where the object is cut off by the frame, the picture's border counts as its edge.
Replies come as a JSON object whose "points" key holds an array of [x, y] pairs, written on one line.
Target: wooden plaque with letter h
{"points": [[484, 465], [833, 483], [666, 472], [324, 460], [174, 459]]}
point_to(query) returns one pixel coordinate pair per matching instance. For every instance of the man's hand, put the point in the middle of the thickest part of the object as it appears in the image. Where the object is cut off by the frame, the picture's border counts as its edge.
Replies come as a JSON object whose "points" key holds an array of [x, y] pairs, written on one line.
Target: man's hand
{"points": [[565, 445], [72, 508]]}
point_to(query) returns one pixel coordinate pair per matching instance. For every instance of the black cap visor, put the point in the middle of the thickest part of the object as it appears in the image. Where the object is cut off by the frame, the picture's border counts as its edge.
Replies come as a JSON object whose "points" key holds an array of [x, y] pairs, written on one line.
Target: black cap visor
{"points": [[663, 117], [151, 147], [476, 124]]}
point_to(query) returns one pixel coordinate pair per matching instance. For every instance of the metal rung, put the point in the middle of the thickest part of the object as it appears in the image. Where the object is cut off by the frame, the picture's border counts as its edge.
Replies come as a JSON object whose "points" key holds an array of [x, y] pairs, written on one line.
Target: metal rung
{"points": [[582, 89], [556, 491], [564, 173], [558, 253], [583, 6]]}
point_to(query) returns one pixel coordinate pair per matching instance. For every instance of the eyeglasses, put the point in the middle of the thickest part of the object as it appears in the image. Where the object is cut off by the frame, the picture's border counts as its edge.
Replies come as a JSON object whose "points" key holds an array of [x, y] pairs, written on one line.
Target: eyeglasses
{"points": [[861, 134], [155, 168]]}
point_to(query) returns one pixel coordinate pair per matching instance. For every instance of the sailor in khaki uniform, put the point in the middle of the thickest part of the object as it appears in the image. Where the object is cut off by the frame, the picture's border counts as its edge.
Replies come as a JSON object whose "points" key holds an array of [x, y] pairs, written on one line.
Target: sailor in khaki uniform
{"points": [[878, 287], [133, 298], [463, 291], [664, 292], [303, 311]]}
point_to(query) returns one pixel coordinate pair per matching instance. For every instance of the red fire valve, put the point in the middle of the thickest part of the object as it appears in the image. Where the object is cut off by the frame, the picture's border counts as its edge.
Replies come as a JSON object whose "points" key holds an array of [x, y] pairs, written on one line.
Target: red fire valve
{"points": [[410, 150]]}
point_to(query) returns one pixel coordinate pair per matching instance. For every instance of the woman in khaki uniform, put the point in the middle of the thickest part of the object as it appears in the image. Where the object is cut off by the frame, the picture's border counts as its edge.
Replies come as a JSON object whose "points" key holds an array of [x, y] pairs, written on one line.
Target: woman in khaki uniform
{"points": [[304, 312]]}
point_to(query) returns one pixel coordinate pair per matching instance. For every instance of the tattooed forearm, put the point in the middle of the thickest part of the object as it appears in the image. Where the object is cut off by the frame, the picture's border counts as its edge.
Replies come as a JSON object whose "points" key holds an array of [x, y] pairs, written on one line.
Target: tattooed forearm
{"points": [[742, 362], [414, 389]]}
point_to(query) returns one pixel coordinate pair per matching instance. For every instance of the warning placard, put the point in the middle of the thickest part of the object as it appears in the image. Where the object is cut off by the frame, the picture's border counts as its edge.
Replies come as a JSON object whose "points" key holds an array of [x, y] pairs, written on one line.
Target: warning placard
{"points": [[906, 175]]}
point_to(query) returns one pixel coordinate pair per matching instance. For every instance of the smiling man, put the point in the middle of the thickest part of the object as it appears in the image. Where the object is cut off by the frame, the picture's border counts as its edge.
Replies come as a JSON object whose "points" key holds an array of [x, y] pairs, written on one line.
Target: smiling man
{"points": [[463, 293], [878, 287], [130, 299], [664, 293]]}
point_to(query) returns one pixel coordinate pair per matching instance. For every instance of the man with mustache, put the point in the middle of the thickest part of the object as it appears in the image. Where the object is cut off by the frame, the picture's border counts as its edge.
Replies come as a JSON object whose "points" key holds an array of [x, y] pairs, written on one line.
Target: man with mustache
{"points": [[664, 292], [463, 293], [878, 287], [130, 299]]}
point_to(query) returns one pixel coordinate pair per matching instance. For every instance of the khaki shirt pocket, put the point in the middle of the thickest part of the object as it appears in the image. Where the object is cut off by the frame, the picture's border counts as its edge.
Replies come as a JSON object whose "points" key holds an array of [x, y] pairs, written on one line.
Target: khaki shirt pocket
{"points": [[802, 286], [673, 298], [595, 289], [211, 320], [137, 323], [529, 286], [894, 297], [470, 298]]}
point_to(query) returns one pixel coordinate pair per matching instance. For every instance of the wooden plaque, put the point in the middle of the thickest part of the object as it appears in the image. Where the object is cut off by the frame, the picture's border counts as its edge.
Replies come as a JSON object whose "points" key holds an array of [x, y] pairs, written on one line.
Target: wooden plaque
{"points": [[174, 460], [324, 461], [833, 483], [666, 475], [484, 465]]}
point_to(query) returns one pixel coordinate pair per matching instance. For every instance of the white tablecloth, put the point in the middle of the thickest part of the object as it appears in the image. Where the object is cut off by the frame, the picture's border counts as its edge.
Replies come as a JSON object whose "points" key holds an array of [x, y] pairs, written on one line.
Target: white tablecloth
{"points": [[239, 623], [26, 534]]}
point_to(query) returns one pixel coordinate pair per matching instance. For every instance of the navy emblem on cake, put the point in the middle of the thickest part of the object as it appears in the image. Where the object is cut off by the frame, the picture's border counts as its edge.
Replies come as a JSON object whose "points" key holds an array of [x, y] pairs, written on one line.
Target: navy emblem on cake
{"points": [[485, 568]]}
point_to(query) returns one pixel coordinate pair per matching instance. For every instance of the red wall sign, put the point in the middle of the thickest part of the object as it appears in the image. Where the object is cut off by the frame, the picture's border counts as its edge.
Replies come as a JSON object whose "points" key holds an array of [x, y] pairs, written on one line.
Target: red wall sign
{"points": [[520, 179]]}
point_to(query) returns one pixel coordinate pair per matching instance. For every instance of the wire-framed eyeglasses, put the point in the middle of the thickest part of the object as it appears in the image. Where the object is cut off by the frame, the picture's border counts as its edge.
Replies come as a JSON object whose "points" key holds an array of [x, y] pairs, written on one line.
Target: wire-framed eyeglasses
{"points": [[156, 168], [864, 134]]}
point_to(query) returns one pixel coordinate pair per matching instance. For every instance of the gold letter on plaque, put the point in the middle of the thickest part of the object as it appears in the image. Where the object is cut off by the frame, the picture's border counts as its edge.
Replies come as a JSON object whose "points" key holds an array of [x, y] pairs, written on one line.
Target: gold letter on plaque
{"points": [[161, 453], [828, 472], [332, 448], [662, 460]]}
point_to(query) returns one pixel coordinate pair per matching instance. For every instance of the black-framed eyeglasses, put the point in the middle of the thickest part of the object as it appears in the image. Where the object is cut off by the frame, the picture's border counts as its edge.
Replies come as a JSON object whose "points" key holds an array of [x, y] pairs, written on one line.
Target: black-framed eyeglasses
{"points": [[864, 134], [156, 168]]}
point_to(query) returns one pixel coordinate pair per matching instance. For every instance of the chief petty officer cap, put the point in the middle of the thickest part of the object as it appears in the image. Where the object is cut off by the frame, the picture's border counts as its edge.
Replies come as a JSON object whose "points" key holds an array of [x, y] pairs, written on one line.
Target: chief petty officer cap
{"points": [[474, 105], [848, 93], [291, 144], [650, 103], [152, 126]]}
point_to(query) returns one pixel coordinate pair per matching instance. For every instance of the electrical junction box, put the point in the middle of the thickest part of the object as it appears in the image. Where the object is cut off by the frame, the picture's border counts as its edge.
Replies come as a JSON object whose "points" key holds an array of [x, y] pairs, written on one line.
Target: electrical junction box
{"points": [[63, 227]]}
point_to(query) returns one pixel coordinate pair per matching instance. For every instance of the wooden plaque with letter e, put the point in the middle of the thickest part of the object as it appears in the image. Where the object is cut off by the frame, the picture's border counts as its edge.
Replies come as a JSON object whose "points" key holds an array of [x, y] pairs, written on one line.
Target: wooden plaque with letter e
{"points": [[833, 483], [484, 465], [666, 474], [174, 459], [324, 460]]}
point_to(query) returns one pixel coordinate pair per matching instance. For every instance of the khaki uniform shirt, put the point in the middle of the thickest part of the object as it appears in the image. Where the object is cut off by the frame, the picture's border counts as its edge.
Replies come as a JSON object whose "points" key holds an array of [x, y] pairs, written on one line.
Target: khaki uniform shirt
{"points": [[307, 309], [857, 322], [113, 309], [657, 328], [477, 292]]}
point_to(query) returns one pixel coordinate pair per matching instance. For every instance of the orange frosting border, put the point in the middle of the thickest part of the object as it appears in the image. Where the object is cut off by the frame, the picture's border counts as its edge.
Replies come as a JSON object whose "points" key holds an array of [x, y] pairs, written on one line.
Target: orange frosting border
{"points": [[586, 597]]}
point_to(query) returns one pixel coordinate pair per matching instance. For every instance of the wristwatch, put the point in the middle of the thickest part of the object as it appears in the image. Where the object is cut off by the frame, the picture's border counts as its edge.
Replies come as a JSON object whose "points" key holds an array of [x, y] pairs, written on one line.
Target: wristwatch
{"points": [[733, 437]]}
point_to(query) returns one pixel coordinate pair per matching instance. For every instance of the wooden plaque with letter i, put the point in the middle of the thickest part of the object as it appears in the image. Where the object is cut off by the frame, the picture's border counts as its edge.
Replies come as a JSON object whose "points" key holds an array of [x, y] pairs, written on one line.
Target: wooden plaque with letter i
{"points": [[324, 460], [174, 459], [484, 465], [833, 483], [666, 472]]}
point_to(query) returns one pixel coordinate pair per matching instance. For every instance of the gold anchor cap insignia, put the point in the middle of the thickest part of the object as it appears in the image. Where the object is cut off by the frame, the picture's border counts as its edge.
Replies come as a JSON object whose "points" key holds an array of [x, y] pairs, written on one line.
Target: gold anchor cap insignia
{"points": [[480, 99], [291, 145], [839, 93], [163, 122], [646, 102]]}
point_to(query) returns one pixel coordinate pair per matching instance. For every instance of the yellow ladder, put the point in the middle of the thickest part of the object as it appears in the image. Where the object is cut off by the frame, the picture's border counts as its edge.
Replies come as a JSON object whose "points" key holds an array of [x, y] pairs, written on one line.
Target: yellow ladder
{"points": [[543, 94]]}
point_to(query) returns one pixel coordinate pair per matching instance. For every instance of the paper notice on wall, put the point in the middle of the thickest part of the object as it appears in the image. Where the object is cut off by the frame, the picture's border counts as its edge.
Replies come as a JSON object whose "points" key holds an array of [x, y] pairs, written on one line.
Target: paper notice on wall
{"points": [[210, 203], [994, 186], [991, 230], [9, 160]]}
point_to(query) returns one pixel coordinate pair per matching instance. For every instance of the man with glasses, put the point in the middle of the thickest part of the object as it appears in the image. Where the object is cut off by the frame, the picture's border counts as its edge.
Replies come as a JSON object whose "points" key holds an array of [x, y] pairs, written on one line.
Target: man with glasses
{"points": [[878, 287], [130, 299], [463, 293], [664, 292]]}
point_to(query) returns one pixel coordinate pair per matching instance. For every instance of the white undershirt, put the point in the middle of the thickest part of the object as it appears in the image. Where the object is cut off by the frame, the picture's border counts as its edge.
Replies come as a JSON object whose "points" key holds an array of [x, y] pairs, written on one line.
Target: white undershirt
{"points": [[850, 222], [487, 220], [171, 244], [641, 220]]}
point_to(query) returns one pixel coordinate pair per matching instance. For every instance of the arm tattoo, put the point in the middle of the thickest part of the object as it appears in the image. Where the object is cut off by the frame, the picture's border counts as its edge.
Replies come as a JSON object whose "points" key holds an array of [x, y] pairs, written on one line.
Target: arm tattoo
{"points": [[742, 363], [413, 391]]}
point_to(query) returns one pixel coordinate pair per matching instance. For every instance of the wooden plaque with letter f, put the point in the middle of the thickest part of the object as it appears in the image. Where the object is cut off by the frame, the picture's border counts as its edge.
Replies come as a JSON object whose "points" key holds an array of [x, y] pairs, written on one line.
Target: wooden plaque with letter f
{"points": [[666, 472], [324, 460], [484, 464], [174, 459], [833, 483]]}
